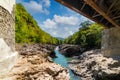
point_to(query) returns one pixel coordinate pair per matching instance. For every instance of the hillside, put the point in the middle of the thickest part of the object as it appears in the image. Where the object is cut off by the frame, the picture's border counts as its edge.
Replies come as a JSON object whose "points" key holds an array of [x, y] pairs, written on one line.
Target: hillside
{"points": [[27, 29], [89, 36]]}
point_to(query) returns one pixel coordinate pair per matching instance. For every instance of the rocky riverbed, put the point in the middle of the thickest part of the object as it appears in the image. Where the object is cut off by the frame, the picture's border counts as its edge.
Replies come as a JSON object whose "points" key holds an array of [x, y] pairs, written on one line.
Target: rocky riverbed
{"points": [[35, 64], [92, 65]]}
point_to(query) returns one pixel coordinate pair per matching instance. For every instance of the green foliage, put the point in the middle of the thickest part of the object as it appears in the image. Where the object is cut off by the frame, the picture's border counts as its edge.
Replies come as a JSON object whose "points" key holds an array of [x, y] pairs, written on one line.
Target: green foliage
{"points": [[88, 36], [27, 29]]}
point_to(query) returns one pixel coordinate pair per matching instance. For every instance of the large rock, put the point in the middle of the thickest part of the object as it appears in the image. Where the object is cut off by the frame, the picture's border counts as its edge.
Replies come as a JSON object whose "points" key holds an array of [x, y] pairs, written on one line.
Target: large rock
{"points": [[70, 50], [7, 58], [7, 22], [94, 66]]}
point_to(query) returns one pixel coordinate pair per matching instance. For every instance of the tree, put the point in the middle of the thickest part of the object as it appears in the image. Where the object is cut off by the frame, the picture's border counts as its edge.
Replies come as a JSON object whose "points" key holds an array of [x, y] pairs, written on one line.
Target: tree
{"points": [[88, 36]]}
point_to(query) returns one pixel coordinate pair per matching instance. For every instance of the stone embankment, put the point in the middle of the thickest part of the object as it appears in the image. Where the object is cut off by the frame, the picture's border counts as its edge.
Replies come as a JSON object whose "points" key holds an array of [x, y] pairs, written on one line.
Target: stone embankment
{"points": [[92, 65], [34, 64]]}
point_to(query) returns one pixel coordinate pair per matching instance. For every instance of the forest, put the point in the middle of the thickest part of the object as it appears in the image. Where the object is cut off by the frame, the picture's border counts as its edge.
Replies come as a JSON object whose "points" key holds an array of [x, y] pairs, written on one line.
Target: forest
{"points": [[88, 36], [27, 29]]}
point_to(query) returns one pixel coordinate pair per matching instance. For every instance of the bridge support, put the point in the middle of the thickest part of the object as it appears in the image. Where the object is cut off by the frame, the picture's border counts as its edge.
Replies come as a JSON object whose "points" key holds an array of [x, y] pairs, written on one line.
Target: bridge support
{"points": [[111, 42], [8, 56]]}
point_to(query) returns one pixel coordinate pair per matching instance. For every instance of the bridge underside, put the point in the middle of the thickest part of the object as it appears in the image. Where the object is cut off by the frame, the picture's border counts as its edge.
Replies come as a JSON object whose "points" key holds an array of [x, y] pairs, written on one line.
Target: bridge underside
{"points": [[104, 12]]}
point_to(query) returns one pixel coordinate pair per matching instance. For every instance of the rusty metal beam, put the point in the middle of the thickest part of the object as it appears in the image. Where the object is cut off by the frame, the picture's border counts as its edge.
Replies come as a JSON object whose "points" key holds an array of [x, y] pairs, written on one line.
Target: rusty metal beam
{"points": [[83, 6], [116, 13], [108, 11], [116, 17], [94, 6], [96, 15]]}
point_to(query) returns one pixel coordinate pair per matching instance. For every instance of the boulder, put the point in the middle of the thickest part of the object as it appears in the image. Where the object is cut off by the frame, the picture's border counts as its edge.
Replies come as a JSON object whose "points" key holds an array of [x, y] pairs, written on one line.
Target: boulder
{"points": [[70, 50]]}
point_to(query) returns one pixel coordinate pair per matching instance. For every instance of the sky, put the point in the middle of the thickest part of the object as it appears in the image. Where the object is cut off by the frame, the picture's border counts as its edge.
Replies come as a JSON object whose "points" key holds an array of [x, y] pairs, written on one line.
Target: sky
{"points": [[54, 18]]}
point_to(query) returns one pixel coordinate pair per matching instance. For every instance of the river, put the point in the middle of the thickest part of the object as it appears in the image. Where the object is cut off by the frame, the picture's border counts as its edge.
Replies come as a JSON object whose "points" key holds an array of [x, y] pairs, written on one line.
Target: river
{"points": [[62, 60]]}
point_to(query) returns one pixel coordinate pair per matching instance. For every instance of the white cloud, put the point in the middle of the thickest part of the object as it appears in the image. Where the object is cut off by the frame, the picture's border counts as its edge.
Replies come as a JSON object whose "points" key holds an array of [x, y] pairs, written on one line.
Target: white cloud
{"points": [[36, 7], [33, 6], [70, 32], [55, 33], [49, 24], [60, 21], [71, 20], [61, 26], [47, 3], [66, 28]]}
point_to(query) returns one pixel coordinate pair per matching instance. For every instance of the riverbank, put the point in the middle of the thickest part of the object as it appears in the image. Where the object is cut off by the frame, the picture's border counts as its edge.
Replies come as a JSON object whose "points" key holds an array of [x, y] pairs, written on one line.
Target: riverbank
{"points": [[34, 64], [92, 65]]}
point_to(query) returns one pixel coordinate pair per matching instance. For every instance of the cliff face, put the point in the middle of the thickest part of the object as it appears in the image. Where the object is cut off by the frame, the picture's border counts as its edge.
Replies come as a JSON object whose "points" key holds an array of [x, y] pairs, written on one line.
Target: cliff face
{"points": [[7, 31], [35, 65]]}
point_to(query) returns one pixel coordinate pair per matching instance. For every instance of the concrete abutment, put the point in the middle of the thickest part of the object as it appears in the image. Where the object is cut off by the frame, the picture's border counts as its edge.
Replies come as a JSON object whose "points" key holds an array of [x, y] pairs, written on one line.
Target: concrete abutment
{"points": [[111, 42], [8, 55]]}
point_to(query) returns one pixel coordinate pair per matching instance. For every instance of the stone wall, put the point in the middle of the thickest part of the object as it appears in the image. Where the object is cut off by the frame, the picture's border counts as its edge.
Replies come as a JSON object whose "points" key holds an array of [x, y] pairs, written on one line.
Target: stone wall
{"points": [[111, 42], [7, 24]]}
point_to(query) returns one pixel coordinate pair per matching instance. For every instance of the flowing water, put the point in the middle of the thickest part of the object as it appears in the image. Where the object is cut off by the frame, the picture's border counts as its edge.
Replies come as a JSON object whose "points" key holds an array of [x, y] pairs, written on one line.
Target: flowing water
{"points": [[62, 60]]}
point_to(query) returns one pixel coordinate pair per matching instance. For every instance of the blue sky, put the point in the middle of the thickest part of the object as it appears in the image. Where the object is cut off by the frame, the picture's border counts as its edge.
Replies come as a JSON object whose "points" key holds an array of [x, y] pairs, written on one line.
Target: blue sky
{"points": [[54, 18]]}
